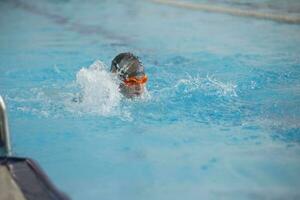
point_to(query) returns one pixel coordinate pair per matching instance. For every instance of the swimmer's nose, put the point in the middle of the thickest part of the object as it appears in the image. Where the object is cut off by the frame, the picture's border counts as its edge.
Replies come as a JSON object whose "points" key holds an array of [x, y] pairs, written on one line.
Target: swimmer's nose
{"points": [[139, 87]]}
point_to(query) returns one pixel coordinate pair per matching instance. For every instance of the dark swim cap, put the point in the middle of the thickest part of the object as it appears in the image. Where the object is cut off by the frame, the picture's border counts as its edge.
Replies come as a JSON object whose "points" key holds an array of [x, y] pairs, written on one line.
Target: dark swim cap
{"points": [[127, 65]]}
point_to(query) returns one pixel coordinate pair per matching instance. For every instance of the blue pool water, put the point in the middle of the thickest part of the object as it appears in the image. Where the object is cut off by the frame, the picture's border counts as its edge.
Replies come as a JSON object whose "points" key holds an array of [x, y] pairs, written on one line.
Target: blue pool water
{"points": [[220, 120]]}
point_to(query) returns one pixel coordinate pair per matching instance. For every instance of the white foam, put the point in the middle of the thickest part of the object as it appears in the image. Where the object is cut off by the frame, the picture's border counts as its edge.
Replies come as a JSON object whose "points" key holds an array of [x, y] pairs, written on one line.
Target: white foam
{"points": [[224, 89], [207, 84], [99, 91]]}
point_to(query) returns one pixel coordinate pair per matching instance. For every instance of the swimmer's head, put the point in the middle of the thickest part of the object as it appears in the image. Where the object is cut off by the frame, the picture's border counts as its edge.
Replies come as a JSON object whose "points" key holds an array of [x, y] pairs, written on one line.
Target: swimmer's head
{"points": [[131, 72]]}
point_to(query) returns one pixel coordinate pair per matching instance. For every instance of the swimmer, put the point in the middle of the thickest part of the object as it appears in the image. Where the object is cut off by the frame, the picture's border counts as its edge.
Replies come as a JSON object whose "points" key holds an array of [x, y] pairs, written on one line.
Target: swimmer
{"points": [[131, 73]]}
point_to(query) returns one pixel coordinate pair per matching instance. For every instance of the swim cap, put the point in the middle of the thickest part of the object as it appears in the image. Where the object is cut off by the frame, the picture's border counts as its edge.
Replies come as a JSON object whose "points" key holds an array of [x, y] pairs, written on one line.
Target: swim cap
{"points": [[127, 65]]}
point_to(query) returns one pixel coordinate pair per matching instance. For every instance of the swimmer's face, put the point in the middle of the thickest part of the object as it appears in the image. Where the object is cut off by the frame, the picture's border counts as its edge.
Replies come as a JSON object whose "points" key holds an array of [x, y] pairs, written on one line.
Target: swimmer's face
{"points": [[133, 90], [133, 87]]}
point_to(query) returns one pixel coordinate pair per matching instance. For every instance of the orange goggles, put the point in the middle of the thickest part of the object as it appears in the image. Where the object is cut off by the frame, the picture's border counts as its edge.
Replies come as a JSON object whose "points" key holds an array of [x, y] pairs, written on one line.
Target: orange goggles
{"points": [[135, 81]]}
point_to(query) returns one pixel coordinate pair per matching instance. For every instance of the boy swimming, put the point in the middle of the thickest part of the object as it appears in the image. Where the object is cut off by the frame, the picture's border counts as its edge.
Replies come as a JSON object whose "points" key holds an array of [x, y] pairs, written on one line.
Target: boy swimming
{"points": [[130, 71]]}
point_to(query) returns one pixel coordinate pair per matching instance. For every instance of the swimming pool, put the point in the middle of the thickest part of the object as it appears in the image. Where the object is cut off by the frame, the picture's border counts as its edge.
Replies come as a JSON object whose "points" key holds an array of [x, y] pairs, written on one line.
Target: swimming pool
{"points": [[220, 119]]}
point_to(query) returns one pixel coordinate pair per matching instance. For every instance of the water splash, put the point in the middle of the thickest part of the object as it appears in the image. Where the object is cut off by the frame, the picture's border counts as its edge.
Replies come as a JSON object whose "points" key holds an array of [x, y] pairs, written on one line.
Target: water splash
{"points": [[210, 85], [99, 91], [95, 91]]}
